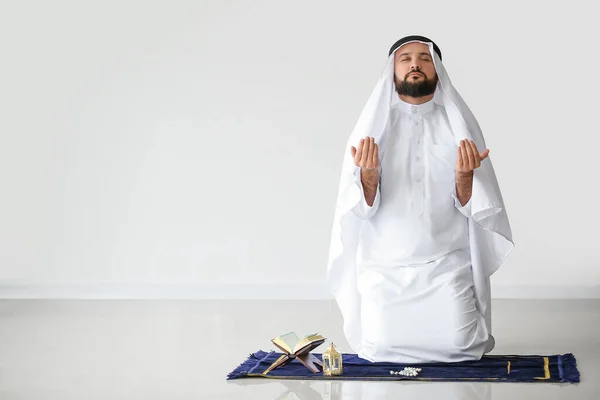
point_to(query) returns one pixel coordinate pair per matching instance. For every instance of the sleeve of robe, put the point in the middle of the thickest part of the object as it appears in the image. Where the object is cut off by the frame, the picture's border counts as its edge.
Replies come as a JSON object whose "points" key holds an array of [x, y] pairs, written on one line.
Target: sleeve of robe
{"points": [[466, 209], [362, 209]]}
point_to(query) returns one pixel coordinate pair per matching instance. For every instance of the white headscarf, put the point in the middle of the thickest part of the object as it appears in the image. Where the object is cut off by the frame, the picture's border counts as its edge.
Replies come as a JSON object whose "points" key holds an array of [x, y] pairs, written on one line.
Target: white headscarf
{"points": [[490, 235]]}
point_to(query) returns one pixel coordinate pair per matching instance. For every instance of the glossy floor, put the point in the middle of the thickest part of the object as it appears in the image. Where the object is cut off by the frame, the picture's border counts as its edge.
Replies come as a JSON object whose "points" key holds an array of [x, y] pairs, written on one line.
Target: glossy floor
{"points": [[59, 349]]}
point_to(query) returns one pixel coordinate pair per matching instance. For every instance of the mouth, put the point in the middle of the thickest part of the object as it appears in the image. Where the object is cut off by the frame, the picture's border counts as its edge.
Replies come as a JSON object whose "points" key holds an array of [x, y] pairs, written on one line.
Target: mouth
{"points": [[415, 74]]}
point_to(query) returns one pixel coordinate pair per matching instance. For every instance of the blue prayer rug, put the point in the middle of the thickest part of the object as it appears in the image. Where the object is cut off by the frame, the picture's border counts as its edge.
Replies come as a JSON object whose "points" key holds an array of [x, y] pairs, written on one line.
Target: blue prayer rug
{"points": [[491, 368]]}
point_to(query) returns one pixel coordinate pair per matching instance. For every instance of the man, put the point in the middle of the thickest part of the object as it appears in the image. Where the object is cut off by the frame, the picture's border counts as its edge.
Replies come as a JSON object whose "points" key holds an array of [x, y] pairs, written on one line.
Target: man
{"points": [[420, 223]]}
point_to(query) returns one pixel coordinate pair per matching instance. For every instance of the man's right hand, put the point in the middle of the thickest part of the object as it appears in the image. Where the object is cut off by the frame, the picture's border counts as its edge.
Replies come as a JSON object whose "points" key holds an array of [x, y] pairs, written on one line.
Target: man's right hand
{"points": [[366, 156]]}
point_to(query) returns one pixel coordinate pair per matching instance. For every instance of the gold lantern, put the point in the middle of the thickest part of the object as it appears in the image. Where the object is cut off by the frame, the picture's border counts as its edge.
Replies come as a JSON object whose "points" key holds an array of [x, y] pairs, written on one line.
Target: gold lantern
{"points": [[332, 361]]}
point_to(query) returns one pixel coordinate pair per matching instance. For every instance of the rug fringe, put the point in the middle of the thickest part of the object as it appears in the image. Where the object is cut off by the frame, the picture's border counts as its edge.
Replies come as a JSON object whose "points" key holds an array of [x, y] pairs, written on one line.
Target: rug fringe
{"points": [[242, 369], [569, 367]]}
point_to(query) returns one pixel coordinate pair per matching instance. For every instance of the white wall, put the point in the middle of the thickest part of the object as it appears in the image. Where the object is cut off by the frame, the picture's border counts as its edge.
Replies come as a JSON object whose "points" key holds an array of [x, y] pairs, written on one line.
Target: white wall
{"points": [[150, 145]]}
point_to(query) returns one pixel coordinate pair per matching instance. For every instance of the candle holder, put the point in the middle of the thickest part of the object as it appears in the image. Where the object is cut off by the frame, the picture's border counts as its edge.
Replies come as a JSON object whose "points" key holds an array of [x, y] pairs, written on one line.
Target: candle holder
{"points": [[332, 362]]}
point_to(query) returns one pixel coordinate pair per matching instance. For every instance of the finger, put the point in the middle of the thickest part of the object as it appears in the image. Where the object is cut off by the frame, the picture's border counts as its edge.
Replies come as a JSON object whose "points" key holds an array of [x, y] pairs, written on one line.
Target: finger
{"points": [[365, 154], [465, 156], [371, 150], [353, 151], [370, 163], [485, 154], [375, 159], [470, 156], [359, 152], [459, 159], [475, 153]]}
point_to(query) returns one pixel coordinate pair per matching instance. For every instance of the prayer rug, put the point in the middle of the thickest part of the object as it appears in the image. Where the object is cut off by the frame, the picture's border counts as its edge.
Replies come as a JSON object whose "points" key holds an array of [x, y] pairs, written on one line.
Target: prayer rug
{"points": [[491, 368]]}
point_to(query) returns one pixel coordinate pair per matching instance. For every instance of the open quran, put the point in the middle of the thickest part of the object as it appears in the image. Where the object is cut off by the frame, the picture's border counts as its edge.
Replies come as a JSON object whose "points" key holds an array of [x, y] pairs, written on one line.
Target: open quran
{"points": [[297, 348]]}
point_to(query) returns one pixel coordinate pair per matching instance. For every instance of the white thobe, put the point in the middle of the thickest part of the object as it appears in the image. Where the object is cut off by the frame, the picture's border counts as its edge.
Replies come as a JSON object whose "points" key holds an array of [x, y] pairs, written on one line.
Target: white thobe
{"points": [[413, 262]]}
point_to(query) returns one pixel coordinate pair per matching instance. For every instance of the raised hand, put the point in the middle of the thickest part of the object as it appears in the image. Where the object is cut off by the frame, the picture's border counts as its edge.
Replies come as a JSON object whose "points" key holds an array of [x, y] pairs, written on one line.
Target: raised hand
{"points": [[469, 157], [366, 156]]}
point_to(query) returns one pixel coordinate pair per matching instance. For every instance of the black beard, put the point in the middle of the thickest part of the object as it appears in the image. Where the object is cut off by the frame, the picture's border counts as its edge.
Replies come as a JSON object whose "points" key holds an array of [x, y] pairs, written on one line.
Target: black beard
{"points": [[416, 89]]}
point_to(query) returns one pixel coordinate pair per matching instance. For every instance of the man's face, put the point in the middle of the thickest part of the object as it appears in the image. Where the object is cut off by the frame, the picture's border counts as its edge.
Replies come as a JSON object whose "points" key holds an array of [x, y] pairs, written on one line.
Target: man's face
{"points": [[414, 72]]}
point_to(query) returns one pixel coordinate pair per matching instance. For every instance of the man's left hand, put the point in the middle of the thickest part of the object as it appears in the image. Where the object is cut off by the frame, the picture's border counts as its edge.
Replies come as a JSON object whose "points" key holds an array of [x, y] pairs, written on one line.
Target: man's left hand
{"points": [[469, 157]]}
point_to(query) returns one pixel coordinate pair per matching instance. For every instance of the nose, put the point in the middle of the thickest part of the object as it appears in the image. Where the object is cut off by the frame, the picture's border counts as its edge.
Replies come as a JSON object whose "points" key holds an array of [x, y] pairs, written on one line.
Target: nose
{"points": [[415, 64]]}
